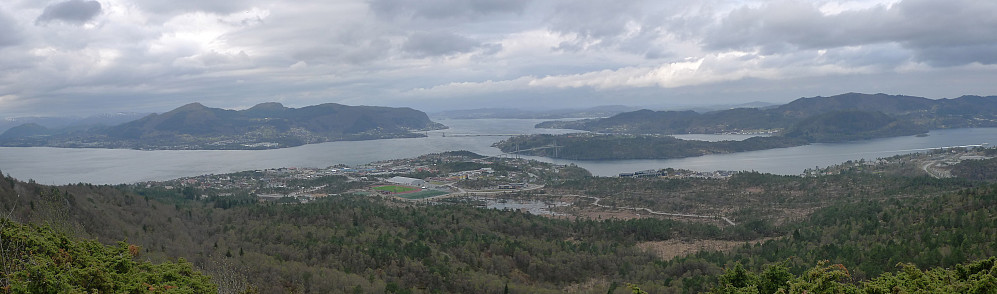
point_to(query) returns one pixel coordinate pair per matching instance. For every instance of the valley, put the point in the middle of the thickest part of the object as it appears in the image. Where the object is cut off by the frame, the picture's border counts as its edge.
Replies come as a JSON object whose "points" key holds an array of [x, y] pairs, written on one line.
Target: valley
{"points": [[498, 147], [462, 221], [521, 222]]}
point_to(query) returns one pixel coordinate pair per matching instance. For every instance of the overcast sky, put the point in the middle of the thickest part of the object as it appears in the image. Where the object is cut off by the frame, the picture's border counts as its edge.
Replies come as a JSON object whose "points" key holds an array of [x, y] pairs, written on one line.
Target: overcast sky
{"points": [[84, 57]]}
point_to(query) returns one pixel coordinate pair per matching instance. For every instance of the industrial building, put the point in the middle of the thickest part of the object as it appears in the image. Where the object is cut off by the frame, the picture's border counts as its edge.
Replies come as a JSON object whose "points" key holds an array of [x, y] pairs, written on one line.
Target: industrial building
{"points": [[407, 181]]}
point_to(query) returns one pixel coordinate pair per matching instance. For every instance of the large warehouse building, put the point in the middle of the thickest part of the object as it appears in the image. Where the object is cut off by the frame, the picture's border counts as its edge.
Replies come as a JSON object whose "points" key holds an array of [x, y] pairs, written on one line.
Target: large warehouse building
{"points": [[407, 181]]}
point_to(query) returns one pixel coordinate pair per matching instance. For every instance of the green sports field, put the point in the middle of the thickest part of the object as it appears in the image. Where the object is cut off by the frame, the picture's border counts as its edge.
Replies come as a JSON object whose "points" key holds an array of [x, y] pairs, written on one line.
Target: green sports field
{"points": [[395, 189], [422, 194]]}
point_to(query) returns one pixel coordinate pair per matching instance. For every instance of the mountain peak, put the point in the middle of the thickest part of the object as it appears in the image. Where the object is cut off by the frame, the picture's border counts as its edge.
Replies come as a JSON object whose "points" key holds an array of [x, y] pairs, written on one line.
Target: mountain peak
{"points": [[192, 106], [268, 106], [266, 109]]}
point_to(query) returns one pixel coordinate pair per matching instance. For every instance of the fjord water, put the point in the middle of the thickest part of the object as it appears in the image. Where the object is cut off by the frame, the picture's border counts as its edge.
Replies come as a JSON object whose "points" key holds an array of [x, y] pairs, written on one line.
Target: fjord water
{"points": [[112, 166], [794, 160]]}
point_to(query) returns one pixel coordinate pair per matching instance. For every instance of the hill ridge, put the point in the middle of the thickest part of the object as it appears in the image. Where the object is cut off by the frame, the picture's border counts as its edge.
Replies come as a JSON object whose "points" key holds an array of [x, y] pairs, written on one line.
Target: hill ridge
{"points": [[264, 126], [964, 111]]}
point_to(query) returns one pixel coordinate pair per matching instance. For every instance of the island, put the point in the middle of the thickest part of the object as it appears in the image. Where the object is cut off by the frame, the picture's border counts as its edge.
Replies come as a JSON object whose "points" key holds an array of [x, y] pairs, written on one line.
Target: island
{"points": [[264, 126]]}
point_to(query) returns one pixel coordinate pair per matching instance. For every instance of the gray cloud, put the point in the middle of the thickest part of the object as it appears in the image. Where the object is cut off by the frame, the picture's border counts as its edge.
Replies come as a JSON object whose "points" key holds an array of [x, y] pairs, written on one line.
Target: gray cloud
{"points": [[182, 6], [155, 55], [425, 44], [597, 19], [351, 44], [361, 53], [889, 55], [600, 24], [957, 55], [72, 11], [937, 32], [774, 28], [631, 27], [10, 33], [443, 9]]}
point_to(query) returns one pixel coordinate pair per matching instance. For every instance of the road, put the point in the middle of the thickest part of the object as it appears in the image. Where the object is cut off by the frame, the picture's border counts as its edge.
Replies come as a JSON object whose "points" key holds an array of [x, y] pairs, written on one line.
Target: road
{"points": [[930, 168], [926, 170], [462, 192], [648, 210], [595, 202]]}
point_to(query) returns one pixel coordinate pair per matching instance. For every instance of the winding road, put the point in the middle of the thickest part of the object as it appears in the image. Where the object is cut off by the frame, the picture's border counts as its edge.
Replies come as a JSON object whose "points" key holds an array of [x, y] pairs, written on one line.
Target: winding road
{"points": [[648, 210], [595, 202]]}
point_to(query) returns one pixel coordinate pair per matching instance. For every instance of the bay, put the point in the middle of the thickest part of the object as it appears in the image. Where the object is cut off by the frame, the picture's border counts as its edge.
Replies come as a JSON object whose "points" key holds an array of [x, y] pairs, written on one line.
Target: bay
{"points": [[112, 166]]}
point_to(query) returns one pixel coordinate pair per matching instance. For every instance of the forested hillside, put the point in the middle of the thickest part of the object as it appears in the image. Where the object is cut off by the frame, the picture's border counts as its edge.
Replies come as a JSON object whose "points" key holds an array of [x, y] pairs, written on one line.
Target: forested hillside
{"points": [[834, 126], [871, 237], [867, 223], [678, 122], [973, 277], [358, 243], [983, 169], [607, 147], [851, 125]]}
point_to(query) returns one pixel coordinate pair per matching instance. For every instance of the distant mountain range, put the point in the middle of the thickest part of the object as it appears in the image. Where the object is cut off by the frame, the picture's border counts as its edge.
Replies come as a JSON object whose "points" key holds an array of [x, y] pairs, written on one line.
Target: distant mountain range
{"points": [[512, 113], [591, 112], [910, 112], [643, 134], [264, 126], [106, 119]]}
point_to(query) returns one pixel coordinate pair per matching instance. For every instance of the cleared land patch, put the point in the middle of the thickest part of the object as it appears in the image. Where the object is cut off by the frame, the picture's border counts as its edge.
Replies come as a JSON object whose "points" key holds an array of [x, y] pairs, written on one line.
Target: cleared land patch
{"points": [[669, 249]]}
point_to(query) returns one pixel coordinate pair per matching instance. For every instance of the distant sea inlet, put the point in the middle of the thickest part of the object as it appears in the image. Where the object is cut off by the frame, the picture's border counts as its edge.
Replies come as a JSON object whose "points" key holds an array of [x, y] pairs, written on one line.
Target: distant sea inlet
{"points": [[114, 166]]}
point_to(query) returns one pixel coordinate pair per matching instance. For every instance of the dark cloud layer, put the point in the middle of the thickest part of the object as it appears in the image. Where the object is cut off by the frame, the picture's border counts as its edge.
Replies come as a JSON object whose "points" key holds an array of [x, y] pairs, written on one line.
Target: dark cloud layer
{"points": [[10, 34], [123, 55], [72, 11], [180, 6], [442, 9], [425, 44], [938, 32], [597, 19]]}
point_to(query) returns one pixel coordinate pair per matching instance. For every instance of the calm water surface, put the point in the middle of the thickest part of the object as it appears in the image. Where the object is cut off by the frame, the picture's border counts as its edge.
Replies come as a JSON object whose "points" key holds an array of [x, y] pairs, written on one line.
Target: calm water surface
{"points": [[793, 160], [111, 166]]}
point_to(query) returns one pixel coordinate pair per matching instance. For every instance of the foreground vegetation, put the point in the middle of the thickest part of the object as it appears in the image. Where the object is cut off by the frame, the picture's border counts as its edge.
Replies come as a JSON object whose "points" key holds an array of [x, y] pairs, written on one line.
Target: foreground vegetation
{"points": [[974, 277], [39, 260]]}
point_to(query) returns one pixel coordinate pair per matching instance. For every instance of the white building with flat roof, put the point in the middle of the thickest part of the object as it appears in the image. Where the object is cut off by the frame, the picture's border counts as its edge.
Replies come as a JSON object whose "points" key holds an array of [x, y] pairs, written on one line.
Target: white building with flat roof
{"points": [[407, 181]]}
